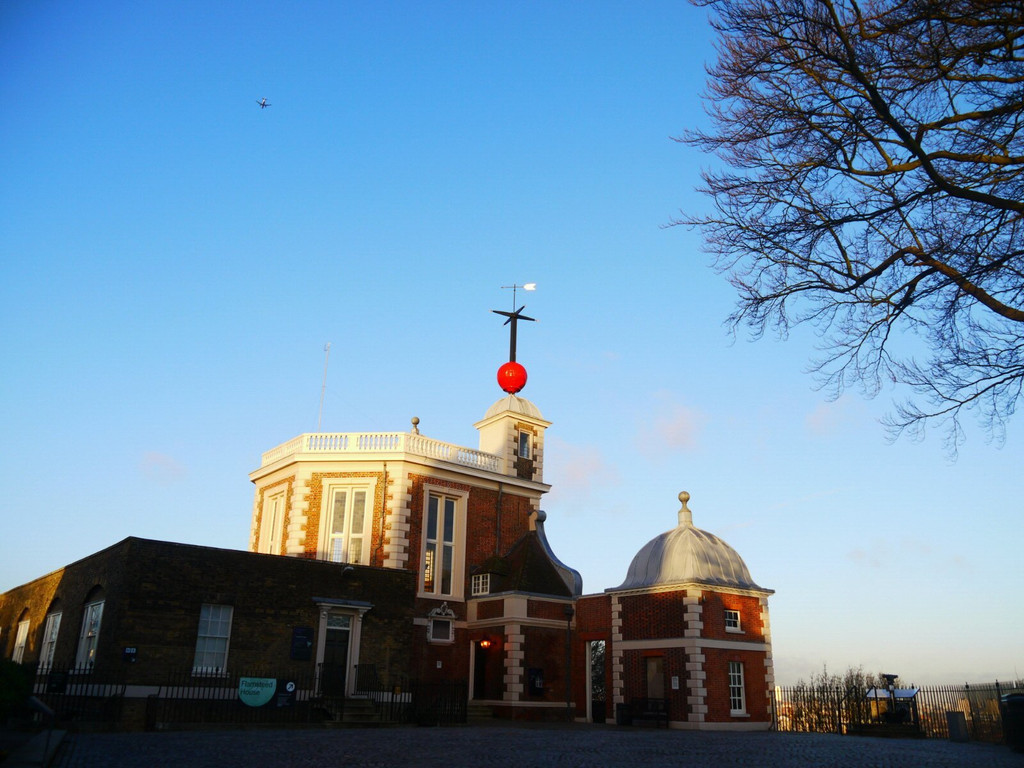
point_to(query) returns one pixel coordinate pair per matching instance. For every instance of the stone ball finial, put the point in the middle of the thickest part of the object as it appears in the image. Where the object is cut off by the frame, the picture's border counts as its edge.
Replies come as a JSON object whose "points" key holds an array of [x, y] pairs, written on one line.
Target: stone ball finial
{"points": [[685, 515], [415, 425]]}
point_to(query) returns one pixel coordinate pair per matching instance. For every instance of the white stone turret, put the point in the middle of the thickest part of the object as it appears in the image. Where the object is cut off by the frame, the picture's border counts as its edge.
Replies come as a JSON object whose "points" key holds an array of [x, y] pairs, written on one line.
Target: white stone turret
{"points": [[513, 430]]}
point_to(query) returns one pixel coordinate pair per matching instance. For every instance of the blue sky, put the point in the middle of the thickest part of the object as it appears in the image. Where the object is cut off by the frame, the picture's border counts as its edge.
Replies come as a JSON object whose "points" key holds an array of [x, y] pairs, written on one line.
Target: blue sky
{"points": [[173, 260]]}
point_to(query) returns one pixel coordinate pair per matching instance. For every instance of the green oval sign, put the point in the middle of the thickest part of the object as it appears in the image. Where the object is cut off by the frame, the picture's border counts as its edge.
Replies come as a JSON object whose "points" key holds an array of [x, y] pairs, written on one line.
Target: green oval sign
{"points": [[256, 691]]}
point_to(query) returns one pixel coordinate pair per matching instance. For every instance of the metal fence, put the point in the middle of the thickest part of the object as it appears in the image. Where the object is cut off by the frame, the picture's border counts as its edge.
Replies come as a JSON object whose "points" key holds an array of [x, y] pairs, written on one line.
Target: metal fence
{"points": [[79, 696], [188, 700], [401, 700], [835, 709], [76, 696]]}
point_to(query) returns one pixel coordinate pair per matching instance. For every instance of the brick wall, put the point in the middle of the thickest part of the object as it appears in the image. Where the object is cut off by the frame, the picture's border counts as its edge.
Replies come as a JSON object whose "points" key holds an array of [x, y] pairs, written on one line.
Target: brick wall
{"points": [[154, 591], [659, 614], [716, 667], [313, 495], [713, 616], [544, 649]]}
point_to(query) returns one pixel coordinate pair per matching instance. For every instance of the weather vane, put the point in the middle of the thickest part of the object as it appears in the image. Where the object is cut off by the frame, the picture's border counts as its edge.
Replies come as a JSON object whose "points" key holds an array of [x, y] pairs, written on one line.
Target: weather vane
{"points": [[511, 375]]}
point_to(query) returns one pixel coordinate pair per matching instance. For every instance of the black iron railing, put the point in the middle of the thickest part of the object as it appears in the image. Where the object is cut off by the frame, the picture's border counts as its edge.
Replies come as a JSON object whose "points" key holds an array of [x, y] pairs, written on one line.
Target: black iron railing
{"points": [[75, 694], [251, 697], [850, 710]]}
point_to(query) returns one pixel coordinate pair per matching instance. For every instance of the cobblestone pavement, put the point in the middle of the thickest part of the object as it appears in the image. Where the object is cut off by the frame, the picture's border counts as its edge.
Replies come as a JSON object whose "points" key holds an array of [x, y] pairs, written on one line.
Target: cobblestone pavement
{"points": [[519, 747]]}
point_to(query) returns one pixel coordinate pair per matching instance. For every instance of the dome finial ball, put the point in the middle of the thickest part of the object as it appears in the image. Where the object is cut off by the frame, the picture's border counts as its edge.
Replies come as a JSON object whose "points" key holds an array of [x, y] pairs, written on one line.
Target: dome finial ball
{"points": [[685, 516]]}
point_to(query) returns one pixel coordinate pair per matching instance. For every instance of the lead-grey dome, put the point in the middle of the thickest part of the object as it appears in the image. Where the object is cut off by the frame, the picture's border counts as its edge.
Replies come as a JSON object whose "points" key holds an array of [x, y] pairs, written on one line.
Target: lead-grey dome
{"points": [[514, 404], [688, 555]]}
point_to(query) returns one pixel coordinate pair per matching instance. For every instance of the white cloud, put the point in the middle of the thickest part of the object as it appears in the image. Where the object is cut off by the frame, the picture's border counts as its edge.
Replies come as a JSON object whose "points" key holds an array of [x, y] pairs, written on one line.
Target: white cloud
{"points": [[828, 419], [579, 469], [161, 468], [920, 554], [670, 427]]}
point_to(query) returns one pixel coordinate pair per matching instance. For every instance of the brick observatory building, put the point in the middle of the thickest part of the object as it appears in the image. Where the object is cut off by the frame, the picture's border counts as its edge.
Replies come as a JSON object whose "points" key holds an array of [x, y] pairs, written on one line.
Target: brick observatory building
{"points": [[491, 597], [402, 555], [684, 639]]}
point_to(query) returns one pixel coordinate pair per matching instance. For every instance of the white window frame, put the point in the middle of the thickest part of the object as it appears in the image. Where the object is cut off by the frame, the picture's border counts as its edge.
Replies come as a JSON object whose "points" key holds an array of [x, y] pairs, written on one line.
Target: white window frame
{"points": [[20, 641], [50, 631], [441, 617], [733, 623], [523, 448], [432, 634], [481, 584], [354, 612], [214, 629], [326, 538], [89, 637], [737, 689], [457, 588], [270, 535]]}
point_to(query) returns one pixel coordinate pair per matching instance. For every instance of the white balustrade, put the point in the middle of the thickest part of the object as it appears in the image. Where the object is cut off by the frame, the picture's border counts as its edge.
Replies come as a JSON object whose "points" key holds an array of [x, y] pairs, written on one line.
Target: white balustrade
{"points": [[382, 442]]}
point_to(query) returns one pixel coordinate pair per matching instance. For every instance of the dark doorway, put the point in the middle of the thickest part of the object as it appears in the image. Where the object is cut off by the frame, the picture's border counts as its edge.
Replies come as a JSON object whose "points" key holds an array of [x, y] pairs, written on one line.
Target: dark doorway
{"points": [[486, 670], [480, 672], [335, 655]]}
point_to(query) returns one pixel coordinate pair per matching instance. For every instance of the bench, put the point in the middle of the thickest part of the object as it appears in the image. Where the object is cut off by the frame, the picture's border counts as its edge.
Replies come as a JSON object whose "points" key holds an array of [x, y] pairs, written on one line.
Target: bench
{"points": [[649, 709]]}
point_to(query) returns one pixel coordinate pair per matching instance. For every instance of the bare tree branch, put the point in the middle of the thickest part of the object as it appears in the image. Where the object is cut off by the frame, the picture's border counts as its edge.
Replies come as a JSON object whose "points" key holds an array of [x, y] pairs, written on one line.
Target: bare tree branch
{"points": [[873, 187]]}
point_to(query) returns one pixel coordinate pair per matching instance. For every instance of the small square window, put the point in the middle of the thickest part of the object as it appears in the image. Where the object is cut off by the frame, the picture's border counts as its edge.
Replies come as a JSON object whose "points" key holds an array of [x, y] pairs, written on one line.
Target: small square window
{"points": [[441, 630], [481, 584], [732, 621]]}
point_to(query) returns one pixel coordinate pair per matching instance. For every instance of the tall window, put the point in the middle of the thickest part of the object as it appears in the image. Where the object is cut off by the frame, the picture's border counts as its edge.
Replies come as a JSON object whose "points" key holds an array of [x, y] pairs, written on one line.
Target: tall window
{"points": [[50, 631], [272, 524], [737, 694], [90, 635], [524, 444], [439, 550], [20, 639], [212, 641], [346, 542]]}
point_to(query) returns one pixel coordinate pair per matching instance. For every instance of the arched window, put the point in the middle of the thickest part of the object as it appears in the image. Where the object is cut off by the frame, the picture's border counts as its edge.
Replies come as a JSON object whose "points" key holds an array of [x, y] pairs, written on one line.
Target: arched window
{"points": [[21, 638], [88, 639], [50, 631]]}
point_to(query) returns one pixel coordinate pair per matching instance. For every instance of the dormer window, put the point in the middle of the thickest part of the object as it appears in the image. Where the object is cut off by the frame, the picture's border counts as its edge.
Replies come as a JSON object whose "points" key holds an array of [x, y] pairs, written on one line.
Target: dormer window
{"points": [[481, 584], [524, 444]]}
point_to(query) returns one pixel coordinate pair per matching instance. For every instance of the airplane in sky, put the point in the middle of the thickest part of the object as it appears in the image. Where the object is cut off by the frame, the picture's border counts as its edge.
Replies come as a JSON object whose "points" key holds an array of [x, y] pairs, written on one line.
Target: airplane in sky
{"points": [[263, 103]]}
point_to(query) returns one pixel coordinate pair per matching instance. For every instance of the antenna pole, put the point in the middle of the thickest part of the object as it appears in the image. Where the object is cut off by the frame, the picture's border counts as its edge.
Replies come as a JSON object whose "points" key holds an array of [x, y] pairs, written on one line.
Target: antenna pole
{"points": [[323, 386]]}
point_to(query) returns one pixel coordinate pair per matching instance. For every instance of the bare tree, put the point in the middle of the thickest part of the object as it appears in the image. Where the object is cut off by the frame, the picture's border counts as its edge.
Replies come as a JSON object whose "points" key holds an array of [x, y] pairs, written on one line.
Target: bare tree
{"points": [[874, 188]]}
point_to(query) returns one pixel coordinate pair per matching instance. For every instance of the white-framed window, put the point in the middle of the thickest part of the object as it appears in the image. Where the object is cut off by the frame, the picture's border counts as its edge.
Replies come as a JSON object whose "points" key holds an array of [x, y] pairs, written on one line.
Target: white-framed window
{"points": [[346, 524], [20, 640], [732, 621], [481, 584], [443, 543], [442, 630], [737, 691], [524, 444], [439, 549], [272, 524], [441, 624], [212, 640], [90, 635], [50, 631]]}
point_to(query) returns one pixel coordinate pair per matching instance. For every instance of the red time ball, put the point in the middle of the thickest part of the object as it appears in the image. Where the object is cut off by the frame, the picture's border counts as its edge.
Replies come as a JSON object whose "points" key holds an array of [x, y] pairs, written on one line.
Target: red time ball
{"points": [[511, 377]]}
